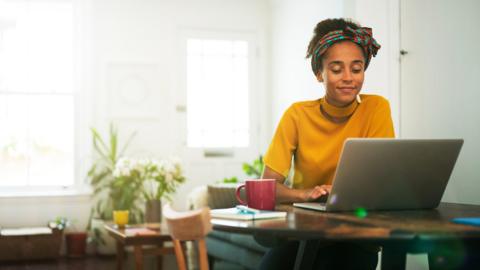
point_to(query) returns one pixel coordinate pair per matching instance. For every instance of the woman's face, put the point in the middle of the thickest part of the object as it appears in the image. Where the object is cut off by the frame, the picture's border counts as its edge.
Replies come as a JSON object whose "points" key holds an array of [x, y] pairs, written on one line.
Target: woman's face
{"points": [[342, 73]]}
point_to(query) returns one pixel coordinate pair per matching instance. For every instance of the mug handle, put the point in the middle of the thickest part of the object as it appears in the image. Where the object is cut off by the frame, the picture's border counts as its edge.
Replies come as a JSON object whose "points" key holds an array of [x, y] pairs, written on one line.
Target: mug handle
{"points": [[237, 194]]}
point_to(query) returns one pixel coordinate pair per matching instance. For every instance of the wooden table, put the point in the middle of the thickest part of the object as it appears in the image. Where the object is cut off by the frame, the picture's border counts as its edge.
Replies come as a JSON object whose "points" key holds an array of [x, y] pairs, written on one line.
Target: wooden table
{"points": [[144, 241], [398, 232]]}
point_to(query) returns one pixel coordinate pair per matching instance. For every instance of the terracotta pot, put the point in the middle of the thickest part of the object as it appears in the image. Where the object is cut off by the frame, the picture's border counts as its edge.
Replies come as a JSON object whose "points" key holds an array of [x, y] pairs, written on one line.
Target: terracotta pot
{"points": [[76, 244]]}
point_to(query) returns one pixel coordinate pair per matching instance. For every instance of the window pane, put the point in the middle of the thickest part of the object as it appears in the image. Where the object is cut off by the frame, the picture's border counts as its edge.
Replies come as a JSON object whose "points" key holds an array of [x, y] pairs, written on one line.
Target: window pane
{"points": [[14, 156], [240, 48], [36, 43], [36, 144], [36, 93], [217, 93], [52, 140]]}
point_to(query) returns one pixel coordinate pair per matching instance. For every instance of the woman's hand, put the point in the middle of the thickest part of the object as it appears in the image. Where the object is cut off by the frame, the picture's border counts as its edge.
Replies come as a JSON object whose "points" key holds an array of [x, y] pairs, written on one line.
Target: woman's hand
{"points": [[316, 192], [288, 195]]}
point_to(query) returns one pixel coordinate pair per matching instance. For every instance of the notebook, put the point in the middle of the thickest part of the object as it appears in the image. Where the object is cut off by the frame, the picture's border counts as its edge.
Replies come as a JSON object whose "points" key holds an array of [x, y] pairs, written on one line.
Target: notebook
{"points": [[390, 174], [235, 213], [139, 231]]}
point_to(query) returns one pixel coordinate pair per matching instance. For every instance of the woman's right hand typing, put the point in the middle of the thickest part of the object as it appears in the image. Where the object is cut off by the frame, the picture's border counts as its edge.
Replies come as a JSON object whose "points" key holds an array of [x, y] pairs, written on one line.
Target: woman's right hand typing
{"points": [[313, 194], [286, 194]]}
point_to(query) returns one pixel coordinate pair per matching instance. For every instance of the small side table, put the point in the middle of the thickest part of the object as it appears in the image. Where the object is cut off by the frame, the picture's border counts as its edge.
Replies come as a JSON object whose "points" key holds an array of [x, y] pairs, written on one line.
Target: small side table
{"points": [[139, 236]]}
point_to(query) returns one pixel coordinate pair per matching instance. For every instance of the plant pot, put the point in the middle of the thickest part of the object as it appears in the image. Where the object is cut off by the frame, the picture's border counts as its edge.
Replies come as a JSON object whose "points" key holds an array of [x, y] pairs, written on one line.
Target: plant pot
{"points": [[153, 211], [108, 247], [76, 244]]}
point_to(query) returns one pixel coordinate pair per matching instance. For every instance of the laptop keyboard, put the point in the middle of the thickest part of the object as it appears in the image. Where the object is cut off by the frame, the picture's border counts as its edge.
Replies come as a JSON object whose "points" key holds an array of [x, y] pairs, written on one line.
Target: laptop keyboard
{"points": [[312, 205]]}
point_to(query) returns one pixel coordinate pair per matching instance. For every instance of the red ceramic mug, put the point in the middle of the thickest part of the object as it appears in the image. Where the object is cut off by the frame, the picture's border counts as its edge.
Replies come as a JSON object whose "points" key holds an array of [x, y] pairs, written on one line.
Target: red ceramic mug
{"points": [[260, 193]]}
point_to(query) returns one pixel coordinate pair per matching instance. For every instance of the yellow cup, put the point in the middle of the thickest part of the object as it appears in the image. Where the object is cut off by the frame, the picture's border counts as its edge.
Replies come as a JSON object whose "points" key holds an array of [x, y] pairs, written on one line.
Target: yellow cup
{"points": [[120, 217]]}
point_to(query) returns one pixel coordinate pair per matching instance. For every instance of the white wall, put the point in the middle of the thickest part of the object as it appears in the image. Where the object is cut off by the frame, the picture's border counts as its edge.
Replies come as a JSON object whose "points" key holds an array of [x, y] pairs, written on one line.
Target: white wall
{"points": [[37, 211]]}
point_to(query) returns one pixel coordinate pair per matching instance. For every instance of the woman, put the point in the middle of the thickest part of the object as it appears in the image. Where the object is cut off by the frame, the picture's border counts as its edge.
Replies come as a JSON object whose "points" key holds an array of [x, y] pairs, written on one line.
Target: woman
{"points": [[313, 133]]}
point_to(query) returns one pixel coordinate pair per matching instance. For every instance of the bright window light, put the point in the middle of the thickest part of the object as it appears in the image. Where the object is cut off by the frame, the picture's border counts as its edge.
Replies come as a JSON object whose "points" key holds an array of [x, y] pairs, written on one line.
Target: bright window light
{"points": [[217, 93], [36, 93]]}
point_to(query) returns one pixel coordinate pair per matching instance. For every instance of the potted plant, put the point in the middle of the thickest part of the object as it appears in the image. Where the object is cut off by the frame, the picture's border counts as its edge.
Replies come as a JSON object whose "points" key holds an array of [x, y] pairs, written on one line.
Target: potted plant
{"points": [[157, 180], [59, 223], [76, 241], [109, 192]]}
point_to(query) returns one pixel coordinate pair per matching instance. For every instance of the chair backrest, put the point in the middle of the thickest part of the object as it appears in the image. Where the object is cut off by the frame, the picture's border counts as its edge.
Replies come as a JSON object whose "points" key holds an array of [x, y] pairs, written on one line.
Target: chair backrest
{"points": [[188, 226]]}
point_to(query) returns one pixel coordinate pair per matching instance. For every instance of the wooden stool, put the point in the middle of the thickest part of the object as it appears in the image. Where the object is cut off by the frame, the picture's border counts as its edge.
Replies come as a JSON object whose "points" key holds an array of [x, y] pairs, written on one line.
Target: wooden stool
{"points": [[189, 226]]}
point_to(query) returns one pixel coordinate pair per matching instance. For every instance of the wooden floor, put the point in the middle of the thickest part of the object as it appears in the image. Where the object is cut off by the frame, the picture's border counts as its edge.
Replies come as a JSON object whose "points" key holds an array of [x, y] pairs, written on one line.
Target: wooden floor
{"points": [[87, 263]]}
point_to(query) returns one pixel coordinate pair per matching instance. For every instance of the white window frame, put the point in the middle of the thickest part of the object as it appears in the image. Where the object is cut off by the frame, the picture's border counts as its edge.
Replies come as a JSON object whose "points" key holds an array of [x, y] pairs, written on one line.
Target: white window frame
{"points": [[254, 96], [82, 112]]}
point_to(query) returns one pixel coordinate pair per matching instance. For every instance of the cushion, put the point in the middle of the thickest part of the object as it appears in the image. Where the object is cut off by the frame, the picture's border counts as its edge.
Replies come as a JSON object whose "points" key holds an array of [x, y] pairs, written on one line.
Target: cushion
{"points": [[223, 195]]}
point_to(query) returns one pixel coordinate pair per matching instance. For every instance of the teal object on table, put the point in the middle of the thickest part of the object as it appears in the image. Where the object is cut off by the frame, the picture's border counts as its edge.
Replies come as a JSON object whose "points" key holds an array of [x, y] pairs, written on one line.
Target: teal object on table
{"points": [[475, 221]]}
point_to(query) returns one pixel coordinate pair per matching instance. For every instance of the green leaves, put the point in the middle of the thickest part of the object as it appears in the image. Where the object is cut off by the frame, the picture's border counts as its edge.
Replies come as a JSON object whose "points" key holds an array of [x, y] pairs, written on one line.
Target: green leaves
{"points": [[233, 179], [110, 193], [99, 146], [59, 223], [156, 178], [121, 184], [255, 168]]}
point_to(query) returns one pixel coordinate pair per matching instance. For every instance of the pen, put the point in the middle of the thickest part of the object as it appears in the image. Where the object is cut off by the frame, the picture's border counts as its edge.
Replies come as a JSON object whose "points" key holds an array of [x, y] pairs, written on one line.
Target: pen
{"points": [[248, 210]]}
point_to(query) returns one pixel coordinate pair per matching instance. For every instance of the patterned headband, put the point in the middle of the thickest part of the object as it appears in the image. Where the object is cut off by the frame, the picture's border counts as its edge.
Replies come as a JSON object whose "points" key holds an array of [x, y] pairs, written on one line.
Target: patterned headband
{"points": [[361, 36]]}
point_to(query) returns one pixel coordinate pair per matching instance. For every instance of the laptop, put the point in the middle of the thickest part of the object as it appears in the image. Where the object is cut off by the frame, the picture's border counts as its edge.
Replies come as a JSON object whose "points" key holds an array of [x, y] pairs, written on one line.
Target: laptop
{"points": [[390, 174]]}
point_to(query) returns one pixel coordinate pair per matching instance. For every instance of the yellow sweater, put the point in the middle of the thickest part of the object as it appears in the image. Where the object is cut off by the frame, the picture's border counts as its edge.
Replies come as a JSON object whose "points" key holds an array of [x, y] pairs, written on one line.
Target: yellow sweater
{"points": [[315, 142]]}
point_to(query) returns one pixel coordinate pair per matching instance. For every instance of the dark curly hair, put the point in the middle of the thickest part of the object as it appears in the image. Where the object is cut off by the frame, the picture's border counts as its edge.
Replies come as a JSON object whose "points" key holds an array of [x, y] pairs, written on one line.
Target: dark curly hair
{"points": [[321, 29]]}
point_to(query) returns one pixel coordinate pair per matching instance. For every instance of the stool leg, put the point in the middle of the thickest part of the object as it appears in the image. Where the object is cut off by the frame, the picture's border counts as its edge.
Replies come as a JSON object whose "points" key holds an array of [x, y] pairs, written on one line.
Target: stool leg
{"points": [[179, 255], [120, 255], [160, 258], [138, 257], [202, 254]]}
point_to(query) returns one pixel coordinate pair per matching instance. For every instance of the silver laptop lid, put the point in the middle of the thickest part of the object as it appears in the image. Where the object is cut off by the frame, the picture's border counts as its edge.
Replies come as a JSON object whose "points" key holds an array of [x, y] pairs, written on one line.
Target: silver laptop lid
{"points": [[392, 173]]}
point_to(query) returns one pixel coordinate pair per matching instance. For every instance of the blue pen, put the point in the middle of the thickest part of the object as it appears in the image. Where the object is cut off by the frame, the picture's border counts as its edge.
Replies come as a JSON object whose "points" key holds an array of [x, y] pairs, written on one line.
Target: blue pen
{"points": [[248, 210]]}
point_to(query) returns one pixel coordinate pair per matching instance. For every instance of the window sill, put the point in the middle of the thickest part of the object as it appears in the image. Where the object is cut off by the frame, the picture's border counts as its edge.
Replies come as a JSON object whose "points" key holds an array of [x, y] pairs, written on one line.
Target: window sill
{"points": [[45, 192]]}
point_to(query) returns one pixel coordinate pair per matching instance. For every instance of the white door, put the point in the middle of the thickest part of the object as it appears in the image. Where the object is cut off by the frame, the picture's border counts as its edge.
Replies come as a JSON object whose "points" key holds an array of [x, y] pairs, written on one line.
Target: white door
{"points": [[440, 90], [217, 106]]}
